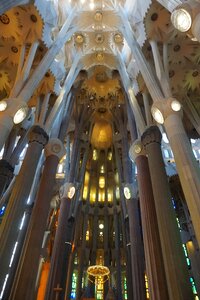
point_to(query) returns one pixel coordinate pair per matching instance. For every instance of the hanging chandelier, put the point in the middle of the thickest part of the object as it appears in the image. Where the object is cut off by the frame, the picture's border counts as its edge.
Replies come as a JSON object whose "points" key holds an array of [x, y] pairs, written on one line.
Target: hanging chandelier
{"points": [[98, 274]]}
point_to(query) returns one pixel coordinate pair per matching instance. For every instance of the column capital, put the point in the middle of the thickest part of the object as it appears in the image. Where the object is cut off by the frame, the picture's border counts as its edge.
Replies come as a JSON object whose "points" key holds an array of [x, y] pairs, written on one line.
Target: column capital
{"points": [[136, 149], [55, 147], [166, 107], [38, 134], [67, 190], [151, 135]]}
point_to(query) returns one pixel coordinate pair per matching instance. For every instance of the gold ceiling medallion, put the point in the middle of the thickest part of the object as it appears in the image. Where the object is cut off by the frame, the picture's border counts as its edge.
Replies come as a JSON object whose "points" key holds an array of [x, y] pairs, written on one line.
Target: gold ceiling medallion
{"points": [[118, 38], [4, 19], [100, 56], [99, 38], [79, 38], [98, 16]]}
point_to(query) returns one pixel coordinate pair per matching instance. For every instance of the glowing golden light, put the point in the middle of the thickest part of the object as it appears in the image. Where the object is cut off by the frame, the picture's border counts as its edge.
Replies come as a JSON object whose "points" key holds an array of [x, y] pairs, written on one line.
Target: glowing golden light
{"points": [[98, 274], [109, 155], [95, 155], [85, 192], [101, 182], [102, 135]]}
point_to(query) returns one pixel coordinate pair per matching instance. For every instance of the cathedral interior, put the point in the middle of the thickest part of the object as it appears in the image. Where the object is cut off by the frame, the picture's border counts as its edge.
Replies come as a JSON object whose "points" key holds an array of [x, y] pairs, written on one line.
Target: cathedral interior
{"points": [[99, 149]]}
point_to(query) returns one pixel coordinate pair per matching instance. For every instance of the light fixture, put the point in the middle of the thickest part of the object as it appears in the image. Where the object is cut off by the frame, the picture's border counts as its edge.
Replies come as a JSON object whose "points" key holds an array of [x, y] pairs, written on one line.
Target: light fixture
{"points": [[176, 105], [71, 192], [181, 19], [20, 115], [137, 148], [98, 274], [157, 115], [3, 105], [127, 192], [164, 137], [101, 226]]}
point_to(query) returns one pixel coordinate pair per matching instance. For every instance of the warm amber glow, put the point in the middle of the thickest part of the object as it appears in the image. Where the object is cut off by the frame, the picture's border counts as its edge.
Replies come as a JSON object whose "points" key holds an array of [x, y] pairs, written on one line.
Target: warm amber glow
{"points": [[87, 235], [110, 195], [87, 177], [101, 182], [102, 170], [101, 196], [190, 246], [102, 135], [146, 286], [93, 194], [98, 271], [43, 281], [109, 155], [95, 155], [85, 192]]}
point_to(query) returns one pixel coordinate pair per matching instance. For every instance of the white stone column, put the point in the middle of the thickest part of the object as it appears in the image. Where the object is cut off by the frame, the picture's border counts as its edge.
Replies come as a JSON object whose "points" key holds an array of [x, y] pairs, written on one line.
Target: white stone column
{"points": [[174, 261], [187, 166]]}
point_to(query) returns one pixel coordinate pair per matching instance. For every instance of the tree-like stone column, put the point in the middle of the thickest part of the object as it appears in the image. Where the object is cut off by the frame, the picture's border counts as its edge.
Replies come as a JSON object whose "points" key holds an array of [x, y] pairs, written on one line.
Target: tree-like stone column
{"points": [[137, 252], [9, 229], [61, 246], [187, 166], [24, 286], [173, 256], [152, 246]]}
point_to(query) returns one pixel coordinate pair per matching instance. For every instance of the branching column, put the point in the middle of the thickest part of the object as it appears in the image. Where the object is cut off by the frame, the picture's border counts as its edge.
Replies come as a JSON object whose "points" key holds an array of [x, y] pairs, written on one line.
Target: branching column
{"points": [[117, 251], [187, 167], [25, 284], [10, 226], [174, 260], [137, 255], [137, 252], [59, 249], [152, 246], [82, 254]]}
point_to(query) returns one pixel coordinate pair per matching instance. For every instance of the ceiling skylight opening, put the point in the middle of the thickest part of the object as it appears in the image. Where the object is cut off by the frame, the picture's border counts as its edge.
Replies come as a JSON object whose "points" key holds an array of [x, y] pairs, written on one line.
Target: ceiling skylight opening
{"points": [[92, 5]]}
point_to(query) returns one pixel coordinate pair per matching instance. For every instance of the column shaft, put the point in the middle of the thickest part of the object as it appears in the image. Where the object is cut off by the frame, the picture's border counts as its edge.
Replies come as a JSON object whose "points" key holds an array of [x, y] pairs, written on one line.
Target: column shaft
{"points": [[9, 229], [118, 258], [137, 257], [152, 247], [61, 245], [174, 260], [25, 284], [187, 167]]}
